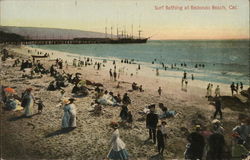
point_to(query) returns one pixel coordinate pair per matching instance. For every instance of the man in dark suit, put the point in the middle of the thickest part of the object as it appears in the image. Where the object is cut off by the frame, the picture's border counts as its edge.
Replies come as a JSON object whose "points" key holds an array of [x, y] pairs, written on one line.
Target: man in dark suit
{"points": [[151, 122]]}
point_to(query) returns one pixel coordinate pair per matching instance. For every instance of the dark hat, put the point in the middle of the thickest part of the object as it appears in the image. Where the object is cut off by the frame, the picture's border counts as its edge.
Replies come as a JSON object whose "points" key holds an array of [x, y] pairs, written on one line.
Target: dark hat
{"points": [[163, 122], [72, 99], [151, 106], [114, 125], [29, 89]]}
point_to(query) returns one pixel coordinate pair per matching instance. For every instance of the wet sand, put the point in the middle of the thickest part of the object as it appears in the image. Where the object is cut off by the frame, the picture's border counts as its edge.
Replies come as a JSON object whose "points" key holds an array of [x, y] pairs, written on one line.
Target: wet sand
{"points": [[40, 136]]}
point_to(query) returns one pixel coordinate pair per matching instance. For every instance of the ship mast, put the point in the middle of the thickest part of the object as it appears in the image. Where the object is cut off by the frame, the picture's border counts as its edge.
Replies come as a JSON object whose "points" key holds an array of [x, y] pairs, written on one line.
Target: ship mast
{"points": [[111, 32], [132, 31], [140, 34], [105, 32], [117, 32]]}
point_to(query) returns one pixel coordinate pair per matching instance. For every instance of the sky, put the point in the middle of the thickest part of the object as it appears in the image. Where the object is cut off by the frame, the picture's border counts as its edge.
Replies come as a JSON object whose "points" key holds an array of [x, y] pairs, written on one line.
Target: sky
{"points": [[164, 23]]}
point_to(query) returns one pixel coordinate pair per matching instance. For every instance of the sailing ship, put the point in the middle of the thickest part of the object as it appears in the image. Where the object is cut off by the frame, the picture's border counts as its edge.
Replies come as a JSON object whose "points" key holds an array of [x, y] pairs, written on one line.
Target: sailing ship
{"points": [[119, 39]]}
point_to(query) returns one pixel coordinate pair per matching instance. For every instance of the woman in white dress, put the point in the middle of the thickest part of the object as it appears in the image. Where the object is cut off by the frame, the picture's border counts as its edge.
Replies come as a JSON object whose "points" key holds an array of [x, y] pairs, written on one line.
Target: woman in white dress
{"points": [[117, 151]]}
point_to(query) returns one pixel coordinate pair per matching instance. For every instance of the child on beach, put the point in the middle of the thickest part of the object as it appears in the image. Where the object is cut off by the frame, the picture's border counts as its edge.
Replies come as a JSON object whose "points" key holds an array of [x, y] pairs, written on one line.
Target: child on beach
{"points": [[164, 129], [160, 140], [40, 106]]}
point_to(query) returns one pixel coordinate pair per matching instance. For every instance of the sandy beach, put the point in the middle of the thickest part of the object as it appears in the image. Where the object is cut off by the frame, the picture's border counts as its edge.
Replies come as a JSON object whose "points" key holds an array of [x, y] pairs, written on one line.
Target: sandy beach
{"points": [[37, 137]]}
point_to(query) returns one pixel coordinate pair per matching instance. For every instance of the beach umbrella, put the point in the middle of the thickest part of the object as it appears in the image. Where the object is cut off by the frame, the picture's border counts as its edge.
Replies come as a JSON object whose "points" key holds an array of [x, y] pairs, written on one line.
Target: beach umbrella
{"points": [[9, 90]]}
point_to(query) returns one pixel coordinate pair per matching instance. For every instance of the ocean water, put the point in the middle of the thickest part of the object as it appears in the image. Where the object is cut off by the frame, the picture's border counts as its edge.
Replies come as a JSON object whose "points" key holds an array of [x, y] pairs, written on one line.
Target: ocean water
{"points": [[225, 61]]}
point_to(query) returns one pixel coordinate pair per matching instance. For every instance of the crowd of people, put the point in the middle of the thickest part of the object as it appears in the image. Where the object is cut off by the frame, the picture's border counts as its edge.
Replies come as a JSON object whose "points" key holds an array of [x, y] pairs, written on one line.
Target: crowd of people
{"points": [[202, 142]]}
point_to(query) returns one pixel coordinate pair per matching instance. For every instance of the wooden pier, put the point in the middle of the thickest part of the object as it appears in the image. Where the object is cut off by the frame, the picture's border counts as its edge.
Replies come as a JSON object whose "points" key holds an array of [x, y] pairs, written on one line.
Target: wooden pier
{"points": [[57, 41]]}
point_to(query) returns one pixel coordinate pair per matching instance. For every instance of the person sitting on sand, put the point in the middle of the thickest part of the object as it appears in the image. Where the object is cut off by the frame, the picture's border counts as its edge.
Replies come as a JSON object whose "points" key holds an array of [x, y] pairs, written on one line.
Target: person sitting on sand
{"points": [[107, 99], [134, 86], [52, 86], [140, 89], [124, 113], [97, 109], [130, 119], [165, 112], [118, 98], [126, 100]]}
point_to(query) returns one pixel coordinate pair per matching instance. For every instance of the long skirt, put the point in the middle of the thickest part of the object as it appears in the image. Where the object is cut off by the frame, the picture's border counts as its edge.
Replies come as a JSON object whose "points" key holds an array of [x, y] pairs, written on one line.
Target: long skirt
{"points": [[118, 155]]}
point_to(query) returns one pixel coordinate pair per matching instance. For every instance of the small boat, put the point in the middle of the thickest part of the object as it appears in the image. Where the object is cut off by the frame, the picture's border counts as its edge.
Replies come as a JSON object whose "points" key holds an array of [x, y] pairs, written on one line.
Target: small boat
{"points": [[35, 56]]}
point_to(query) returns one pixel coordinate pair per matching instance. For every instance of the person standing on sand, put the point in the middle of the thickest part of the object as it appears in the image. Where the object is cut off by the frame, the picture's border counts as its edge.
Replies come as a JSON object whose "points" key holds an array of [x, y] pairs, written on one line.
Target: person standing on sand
{"points": [[40, 106], [217, 105], [117, 151], [69, 117], [157, 72], [185, 75], [210, 90], [66, 64], [237, 87], [151, 122], [195, 146], [217, 91], [159, 91], [110, 74], [232, 88], [182, 81], [160, 140], [28, 101], [208, 86], [115, 75], [192, 77], [241, 85]]}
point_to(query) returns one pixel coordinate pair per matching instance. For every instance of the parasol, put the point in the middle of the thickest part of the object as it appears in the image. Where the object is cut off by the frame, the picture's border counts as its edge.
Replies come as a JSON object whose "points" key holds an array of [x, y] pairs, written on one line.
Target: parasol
{"points": [[10, 90]]}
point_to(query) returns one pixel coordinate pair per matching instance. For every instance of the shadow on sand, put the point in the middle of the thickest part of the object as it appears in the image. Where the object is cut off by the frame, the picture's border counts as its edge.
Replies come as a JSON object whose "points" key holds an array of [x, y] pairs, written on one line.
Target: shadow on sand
{"points": [[21, 117], [58, 132], [156, 157]]}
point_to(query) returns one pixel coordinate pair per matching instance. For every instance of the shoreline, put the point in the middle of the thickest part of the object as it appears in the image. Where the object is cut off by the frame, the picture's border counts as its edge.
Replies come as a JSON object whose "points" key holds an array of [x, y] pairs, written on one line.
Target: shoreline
{"points": [[147, 72]]}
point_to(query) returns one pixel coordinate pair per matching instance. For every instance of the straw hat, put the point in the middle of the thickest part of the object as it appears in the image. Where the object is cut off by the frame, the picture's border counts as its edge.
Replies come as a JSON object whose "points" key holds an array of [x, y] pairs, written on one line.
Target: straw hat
{"points": [[215, 121], [66, 101]]}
